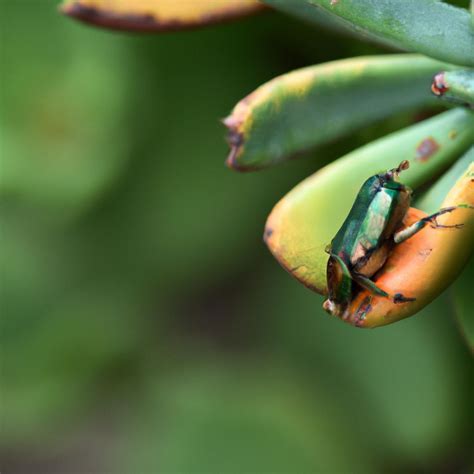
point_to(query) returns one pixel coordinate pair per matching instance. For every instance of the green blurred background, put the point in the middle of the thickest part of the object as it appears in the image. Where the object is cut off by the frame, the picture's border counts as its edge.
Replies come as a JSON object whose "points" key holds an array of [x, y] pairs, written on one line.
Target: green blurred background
{"points": [[145, 327]]}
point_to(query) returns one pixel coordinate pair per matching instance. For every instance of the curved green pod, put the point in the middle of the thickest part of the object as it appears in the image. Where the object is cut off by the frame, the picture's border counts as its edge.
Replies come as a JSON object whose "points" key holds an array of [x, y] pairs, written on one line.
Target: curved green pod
{"points": [[455, 86], [431, 200], [307, 218], [462, 288], [429, 27], [462, 299], [317, 104]]}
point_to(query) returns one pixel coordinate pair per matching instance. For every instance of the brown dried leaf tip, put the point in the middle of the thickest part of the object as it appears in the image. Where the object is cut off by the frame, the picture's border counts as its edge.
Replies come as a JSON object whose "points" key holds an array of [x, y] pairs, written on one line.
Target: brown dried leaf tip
{"points": [[158, 15], [235, 140], [439, 86]]}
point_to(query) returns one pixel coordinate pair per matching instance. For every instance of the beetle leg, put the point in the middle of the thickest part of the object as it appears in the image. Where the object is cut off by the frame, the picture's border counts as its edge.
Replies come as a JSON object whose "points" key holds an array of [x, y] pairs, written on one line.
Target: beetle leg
{"points": [[339, 281], [435, 225], [371, 287], [413, 229], [368, 284]]}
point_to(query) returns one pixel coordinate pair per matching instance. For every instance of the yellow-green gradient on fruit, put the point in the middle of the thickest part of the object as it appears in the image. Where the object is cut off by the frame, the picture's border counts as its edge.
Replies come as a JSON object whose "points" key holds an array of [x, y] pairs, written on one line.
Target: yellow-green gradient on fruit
{"points": [[304, 222], [157, 15], [309, 106]]}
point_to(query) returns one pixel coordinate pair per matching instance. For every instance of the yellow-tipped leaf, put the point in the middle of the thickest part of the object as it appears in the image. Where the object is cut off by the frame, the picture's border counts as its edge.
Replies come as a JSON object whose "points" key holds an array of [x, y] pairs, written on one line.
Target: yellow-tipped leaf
{"points": [[304, 222], [157, 15]]}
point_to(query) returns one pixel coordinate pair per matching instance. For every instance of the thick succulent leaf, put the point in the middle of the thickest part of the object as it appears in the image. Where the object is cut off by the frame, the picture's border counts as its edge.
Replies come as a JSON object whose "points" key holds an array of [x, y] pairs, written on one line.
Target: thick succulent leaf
{"points": [[462, 298], [309, 106], [462, 288], [455, 86], [472, 15], [304, 222], [423, 266], [157, 15], [430, 27], [322, 18], [432, 199]]}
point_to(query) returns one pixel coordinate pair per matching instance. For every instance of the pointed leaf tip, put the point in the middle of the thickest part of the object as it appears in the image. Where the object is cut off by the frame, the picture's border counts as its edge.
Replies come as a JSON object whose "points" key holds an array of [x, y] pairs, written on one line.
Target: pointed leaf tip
{"points": [[308, 107], [157, 15]]}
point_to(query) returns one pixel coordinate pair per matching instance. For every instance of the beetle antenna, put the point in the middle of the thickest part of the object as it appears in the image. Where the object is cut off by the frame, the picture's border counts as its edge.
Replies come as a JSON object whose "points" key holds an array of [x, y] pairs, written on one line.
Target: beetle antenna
{"points": [[391, 174], [404, 165]]}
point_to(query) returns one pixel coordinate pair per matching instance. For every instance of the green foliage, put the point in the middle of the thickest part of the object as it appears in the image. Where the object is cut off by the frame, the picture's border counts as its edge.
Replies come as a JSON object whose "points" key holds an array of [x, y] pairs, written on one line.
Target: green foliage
{"points": [[143, 325], [462, 297], [429, 27], [431, 200], [271, 421], [332, 190], [53, 132], [309, 107], [368, 371], [455, 86]]}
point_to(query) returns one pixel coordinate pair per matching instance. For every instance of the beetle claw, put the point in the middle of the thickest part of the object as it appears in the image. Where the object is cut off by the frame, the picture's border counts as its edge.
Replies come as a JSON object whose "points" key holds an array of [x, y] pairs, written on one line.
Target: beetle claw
{"points": [[436, 225], [330, 307]]}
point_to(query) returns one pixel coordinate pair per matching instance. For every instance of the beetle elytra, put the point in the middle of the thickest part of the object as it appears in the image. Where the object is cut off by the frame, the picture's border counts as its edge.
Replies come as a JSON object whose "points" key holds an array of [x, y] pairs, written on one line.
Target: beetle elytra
{"points": [[372, 228]]}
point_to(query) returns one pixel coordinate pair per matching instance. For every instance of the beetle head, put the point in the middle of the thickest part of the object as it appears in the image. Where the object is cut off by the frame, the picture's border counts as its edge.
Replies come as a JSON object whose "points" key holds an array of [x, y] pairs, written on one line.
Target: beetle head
{"points": [[392, 174]]}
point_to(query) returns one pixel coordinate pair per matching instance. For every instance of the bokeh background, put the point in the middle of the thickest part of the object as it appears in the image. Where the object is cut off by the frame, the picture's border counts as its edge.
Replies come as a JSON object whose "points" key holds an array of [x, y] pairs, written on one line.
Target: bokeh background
{"points": [[145, 327]]}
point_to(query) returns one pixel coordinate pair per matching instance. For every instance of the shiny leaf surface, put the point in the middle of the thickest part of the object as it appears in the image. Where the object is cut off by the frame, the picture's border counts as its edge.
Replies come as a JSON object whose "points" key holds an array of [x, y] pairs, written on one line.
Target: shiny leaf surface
{"points": [[435, 29], [309, 106]]}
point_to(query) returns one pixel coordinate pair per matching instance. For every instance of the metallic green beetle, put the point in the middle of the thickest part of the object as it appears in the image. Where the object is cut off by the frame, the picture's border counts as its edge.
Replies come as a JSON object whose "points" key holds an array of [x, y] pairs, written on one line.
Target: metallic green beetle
{"points": [[370, 231]]}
